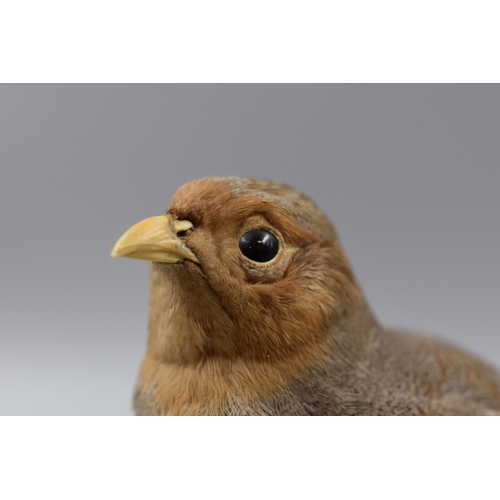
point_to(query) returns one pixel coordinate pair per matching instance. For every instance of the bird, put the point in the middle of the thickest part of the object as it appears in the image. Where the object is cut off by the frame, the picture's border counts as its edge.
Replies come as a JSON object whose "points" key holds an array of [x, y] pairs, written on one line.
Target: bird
{"points": [[255, 310]]}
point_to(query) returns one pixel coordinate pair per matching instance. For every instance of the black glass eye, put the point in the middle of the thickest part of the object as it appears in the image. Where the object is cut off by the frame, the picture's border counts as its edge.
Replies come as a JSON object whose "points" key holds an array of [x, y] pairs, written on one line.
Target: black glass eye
{"points": [[259, 246]]}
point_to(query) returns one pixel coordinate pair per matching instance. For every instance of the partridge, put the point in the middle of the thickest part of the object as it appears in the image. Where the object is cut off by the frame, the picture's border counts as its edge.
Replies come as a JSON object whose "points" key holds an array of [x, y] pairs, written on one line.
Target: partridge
{"points": [[254, 310]]}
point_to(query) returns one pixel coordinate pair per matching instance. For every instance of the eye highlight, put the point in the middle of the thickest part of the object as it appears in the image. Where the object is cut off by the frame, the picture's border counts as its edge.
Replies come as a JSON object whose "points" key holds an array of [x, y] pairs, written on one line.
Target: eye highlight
{"points": [[259, 245]]}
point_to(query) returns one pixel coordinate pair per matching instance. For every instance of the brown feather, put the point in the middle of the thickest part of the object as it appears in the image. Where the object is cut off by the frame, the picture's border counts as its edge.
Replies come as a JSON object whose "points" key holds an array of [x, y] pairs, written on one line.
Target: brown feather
{"points": [[292, 336]]}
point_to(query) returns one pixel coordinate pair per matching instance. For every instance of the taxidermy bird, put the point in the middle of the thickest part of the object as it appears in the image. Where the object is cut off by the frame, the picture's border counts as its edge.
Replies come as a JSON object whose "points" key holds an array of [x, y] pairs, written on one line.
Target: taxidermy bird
{"points": [[254, 310]]}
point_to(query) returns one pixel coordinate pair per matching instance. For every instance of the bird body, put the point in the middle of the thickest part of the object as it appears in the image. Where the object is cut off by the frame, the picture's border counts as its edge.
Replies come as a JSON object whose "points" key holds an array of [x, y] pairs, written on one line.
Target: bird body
{"points": [[254, 310]]}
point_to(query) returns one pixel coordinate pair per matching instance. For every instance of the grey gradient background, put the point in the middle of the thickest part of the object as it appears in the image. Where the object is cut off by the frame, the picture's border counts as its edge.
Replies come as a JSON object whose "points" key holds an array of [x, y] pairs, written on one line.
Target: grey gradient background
{"points": [[409, 174]]}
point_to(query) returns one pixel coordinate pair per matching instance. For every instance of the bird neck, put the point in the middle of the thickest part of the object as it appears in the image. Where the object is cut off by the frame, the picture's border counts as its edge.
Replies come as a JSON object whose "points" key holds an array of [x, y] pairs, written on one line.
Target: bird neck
{"points": [[188, 369], [186, 321]]}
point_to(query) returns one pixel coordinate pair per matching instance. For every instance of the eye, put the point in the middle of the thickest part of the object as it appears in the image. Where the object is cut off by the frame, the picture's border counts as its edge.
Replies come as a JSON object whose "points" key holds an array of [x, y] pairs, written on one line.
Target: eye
{"points": [[259, 246]]}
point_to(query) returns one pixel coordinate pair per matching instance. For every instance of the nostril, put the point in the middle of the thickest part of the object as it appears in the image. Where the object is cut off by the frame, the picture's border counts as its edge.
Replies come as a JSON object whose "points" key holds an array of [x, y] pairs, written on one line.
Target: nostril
{"points": [[182, 228]]}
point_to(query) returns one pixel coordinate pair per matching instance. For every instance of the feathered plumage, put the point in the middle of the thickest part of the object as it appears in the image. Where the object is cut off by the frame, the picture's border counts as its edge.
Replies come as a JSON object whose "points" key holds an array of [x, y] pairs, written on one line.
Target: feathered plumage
{"points": [[285, 334]]}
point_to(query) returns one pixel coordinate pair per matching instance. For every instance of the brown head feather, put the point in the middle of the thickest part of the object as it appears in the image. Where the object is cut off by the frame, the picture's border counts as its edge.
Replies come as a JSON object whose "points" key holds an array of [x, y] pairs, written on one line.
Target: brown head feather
{"points": [[273, 316]]}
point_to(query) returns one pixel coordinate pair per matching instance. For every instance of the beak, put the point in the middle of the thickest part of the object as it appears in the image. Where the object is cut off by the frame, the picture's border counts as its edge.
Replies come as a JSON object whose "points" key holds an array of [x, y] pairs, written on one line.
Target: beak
{"points": [[155, 239]]}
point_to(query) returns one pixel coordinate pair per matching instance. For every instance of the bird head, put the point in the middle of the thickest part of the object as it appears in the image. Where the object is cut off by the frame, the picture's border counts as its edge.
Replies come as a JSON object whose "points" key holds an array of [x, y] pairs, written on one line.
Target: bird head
{"points": [[241, 268]]}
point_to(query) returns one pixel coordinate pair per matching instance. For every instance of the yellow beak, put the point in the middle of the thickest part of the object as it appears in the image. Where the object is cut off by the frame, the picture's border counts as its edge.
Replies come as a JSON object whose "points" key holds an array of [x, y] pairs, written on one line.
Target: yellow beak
{"points": [[155, 239]]}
